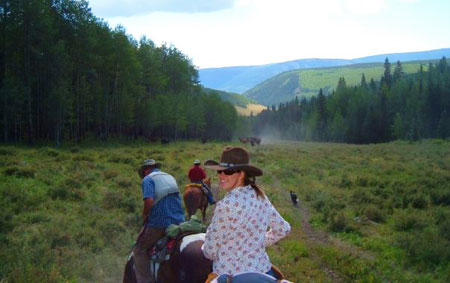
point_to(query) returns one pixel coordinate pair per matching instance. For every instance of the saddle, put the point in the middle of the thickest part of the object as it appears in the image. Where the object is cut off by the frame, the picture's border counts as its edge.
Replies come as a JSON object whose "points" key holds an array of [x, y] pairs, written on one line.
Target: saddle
{"points": [[205, 190], [164, 247]]}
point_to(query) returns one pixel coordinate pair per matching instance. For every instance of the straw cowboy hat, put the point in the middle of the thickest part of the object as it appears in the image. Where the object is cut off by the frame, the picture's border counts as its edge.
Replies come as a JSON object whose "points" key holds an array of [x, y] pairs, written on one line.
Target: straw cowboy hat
{"points": [[236, 158], [197, 162], [148, 162]]}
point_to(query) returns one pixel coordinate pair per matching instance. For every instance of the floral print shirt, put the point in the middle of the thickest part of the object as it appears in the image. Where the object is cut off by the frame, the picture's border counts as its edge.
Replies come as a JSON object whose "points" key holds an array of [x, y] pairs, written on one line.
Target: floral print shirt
{"points": [[239, 232]]}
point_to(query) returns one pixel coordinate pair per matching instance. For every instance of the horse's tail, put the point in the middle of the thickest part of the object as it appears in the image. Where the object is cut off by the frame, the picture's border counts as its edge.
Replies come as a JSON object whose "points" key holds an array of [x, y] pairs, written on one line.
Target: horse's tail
{"points": [[129, 276]]}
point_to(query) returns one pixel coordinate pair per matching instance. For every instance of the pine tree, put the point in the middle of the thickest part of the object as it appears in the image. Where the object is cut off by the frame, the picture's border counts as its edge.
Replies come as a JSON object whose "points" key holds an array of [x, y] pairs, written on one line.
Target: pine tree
{"points": [[386, 79], [398, 72], [322, 116], [363, 81], [341, 84]]}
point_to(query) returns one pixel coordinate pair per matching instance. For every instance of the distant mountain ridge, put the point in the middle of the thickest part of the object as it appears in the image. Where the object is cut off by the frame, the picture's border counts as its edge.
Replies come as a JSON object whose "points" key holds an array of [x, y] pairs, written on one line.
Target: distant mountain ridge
{"points": [[242, 78]]}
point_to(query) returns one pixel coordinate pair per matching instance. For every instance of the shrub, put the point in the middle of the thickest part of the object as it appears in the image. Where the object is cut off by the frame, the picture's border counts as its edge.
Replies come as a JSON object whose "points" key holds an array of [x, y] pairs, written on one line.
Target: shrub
{"points": [[407, 220], [444, 229], [175, 168], [69, 189], [58, 192], [120, 159], [440, 196], [381, 191], [83, 158], [407, 198], [321, 200], [361, 181], [5, 221], [49, 151], [124, 183], [338, 223], [7, 151], [419, 201], [295, 249], [160, 158], [440, 214], [425, 248], [345, 182], [62, 157], [19, 172], [75, 149], [111, 226], [360, 196], [110, 173], [115, 199], [375, 214]]}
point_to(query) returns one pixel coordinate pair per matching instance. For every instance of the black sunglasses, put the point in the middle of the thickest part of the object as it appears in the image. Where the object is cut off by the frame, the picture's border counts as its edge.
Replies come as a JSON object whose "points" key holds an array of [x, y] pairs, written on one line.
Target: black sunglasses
{"points": [[228, 171]]}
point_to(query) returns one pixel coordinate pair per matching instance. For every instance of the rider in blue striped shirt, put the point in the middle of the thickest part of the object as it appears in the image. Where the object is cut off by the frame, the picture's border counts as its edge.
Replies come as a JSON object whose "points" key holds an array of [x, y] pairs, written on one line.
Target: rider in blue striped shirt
{"points": [[162, 207]]}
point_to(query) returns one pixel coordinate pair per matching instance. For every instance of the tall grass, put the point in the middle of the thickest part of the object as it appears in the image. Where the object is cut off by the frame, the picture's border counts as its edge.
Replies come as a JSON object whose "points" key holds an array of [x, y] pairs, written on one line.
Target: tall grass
{"points": [[72, 214]]}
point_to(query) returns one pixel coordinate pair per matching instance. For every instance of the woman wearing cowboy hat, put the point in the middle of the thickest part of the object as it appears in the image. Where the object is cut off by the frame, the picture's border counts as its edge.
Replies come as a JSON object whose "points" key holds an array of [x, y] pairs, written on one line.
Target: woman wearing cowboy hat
{"points": [[239, 231]]}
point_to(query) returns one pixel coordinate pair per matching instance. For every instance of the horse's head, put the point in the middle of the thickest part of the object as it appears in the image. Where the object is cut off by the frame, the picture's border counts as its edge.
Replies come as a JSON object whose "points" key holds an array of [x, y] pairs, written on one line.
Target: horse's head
{"points": [[208, 182]]}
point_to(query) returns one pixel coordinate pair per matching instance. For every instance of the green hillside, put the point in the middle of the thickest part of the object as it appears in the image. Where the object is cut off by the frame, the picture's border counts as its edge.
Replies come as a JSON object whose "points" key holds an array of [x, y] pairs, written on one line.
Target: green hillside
{"points": [[306, 83], [233, 98]]}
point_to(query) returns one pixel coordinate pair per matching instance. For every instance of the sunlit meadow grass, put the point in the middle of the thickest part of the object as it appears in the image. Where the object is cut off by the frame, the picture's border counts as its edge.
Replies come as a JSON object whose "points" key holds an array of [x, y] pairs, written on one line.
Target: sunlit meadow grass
{"points": [[72, 213]]}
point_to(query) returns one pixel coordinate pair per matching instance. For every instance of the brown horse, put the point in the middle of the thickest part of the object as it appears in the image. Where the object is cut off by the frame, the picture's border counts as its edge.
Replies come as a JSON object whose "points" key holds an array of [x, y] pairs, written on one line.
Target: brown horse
{"points": [[186, 264], [194, 198], [244, 140]]}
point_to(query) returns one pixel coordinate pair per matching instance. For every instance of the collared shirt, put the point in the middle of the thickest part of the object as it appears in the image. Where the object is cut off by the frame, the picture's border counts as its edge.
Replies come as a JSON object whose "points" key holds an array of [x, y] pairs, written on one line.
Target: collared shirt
{"points": [[237, 236], [166, 211], [196, 173]]}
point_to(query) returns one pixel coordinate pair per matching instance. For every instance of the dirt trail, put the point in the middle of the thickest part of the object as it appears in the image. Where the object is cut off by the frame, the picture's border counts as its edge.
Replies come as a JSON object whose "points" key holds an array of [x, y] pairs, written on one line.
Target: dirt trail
{"points": [[316, 237]]}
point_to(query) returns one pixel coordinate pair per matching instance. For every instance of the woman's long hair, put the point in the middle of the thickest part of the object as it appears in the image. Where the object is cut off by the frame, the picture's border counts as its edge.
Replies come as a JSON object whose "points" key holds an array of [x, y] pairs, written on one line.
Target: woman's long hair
{"points": [[250, 180]]}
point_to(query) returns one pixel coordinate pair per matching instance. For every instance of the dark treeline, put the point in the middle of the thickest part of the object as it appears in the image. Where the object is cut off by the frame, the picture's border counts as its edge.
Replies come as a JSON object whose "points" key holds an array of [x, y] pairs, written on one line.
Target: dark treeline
{"points": [[66, 75], [397, 107]]}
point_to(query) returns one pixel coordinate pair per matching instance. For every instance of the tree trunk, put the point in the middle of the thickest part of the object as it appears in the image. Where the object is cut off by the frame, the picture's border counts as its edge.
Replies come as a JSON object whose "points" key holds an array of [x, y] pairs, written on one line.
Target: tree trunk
{"points": [[27, 74], [3, 57]]}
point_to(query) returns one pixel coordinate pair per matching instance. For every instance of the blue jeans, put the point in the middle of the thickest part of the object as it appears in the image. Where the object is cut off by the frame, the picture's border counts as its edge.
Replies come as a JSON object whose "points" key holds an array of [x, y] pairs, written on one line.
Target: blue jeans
{"points": [[209, 195], [250, 277]]}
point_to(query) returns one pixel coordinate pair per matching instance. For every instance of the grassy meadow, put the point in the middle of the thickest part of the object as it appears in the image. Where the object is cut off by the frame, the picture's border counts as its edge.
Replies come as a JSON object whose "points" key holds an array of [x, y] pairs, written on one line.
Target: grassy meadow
{"points": [[250, 109], [370, 213]]}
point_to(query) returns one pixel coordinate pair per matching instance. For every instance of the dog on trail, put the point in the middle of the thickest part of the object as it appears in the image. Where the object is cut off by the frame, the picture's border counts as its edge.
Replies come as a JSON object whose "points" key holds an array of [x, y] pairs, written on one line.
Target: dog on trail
{"points": [[293, 198]]}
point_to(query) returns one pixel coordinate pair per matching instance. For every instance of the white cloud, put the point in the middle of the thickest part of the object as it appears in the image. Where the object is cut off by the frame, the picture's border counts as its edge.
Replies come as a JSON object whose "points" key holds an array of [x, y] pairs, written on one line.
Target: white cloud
{"points": [[408, 1], [365, 7], [256, 32]]}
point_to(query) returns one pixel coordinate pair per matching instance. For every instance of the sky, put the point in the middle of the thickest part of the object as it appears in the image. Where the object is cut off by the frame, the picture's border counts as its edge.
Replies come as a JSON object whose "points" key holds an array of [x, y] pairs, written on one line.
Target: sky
{"points": [[222, 33]]}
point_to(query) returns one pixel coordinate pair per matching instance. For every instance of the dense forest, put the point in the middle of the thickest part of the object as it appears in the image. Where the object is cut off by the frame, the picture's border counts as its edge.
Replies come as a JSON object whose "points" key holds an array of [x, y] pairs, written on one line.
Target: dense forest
{"points": [[65, 75], [399, 106]]}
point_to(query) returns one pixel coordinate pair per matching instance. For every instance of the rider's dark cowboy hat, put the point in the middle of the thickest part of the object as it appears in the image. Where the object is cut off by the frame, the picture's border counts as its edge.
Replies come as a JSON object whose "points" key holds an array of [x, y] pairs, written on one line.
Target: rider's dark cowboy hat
{"points": [[147, 163], [236, 158]]}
